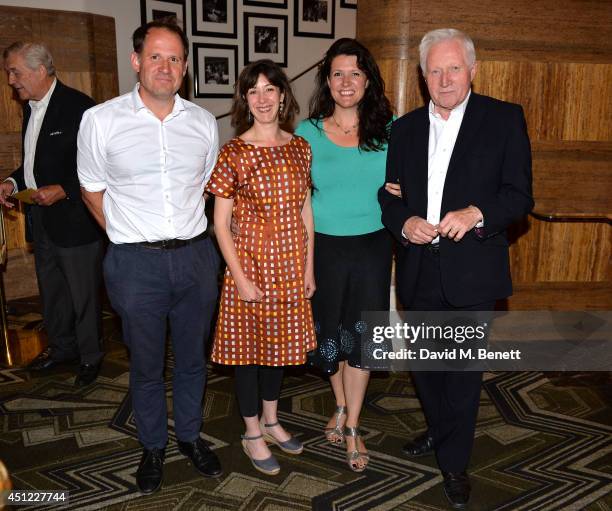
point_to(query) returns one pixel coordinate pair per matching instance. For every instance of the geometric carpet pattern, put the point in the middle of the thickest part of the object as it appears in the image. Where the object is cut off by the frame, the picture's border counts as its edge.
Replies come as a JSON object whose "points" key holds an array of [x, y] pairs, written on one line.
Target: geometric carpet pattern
{"points": [[543, 442]]}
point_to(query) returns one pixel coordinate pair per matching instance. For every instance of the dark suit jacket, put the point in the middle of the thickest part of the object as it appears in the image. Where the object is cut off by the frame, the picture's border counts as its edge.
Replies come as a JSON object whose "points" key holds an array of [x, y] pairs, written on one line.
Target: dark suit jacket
{"points": [[490, 168], [67, 222]]}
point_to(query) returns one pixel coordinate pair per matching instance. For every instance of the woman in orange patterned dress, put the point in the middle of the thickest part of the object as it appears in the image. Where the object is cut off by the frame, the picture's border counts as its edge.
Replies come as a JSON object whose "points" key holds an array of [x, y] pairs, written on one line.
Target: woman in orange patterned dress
{"points": [[262, 180]]}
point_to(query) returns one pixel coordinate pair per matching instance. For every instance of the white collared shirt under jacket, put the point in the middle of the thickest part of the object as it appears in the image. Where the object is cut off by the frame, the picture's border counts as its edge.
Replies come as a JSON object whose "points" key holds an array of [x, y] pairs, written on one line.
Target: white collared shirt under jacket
{"points": [[442, 138], [153, 172], [38, 109]]}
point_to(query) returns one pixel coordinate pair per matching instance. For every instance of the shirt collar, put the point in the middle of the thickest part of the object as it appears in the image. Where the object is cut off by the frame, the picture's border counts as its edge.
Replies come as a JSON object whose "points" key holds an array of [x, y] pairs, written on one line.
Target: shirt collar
{"points": [[179, 104], [44, 102], [458, 110]]}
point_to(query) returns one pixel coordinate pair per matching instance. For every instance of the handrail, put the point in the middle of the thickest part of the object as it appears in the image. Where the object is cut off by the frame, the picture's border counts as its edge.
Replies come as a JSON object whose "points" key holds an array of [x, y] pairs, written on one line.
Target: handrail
{"points": [[299, 75]]}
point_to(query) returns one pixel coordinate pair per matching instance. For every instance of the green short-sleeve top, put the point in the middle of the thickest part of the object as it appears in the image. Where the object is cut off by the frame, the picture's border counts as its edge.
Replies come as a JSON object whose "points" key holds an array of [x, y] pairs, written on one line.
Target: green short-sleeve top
{"points": [[346, 182]]}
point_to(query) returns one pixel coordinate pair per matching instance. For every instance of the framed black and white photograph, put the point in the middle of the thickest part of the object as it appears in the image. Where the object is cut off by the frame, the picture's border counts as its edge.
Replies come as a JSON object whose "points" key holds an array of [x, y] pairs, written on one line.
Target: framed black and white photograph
{"points": [[215, 70], [277, 4], [348, 4], [314, 18], [151, 10], [214, 18], [265, 37]]}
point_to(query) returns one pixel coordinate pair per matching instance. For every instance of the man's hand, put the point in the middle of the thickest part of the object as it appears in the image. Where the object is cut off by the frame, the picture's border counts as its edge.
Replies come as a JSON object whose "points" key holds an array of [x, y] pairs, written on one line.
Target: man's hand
{"points": [[6, 189], [455, 224], [394, 189], [419, 231], [48, 195]]}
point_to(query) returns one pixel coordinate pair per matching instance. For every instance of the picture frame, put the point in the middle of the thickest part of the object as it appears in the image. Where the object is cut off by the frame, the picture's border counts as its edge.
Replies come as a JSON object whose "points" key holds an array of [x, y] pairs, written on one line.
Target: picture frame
{"points": [[151, 10], [348, 4], [214, 18], [314, 18], [215, 70], [265, 37], [276, 4]]}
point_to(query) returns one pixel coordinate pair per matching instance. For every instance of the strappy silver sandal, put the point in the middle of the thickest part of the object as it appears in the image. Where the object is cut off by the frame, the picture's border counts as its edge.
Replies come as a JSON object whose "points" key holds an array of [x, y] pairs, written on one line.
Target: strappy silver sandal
{"points": [[353, 457], [291, 446], [269, 466], [336, 431]]}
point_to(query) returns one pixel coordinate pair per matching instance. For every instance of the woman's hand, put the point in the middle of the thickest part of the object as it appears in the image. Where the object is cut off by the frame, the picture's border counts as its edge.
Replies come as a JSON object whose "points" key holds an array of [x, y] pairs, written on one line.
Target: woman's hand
{"points": [[248, 291], [394, 189], [309, 284], [234, 227]]}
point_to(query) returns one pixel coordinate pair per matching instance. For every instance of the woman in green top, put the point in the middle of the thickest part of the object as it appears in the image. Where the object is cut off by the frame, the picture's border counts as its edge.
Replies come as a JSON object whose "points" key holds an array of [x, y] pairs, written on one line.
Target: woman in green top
{"points": [[348, 131]]}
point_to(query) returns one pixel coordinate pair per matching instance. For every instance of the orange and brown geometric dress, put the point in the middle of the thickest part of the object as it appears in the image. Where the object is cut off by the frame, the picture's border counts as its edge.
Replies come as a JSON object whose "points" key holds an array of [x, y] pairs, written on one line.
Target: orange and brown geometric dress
{"points": [[268, 185]]}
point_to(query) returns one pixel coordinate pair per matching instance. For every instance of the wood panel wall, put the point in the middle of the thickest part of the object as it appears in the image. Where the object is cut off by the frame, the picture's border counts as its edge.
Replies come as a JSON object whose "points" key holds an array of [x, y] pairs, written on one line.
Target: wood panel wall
{"points": [[555, 59], [85, 56]]}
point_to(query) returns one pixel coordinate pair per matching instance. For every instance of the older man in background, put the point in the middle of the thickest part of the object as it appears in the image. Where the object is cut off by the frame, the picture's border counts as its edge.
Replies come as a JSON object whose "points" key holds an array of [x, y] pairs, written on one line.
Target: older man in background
{"points": [[67, 242]]}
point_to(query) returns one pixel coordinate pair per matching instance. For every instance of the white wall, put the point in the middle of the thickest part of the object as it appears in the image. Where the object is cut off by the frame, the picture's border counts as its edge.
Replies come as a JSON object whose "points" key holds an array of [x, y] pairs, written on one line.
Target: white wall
{"points": [[302, 51]]}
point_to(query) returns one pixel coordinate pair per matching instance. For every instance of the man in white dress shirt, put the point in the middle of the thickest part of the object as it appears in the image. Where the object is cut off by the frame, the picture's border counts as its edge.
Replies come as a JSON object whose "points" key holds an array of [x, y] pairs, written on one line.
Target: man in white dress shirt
{"points": [[143, 161]]}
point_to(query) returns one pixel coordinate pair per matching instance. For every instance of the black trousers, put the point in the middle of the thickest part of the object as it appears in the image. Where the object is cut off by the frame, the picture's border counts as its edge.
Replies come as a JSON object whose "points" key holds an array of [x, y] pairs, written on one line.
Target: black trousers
{"points": [[254, 382], [450, 399], [69, 281]]}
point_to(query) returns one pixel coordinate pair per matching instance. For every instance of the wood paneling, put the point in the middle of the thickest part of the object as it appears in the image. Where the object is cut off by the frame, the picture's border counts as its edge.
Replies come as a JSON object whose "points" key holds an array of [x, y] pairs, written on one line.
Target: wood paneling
{"points": [[10, 153], [25, 345], [560, 251], [555, 59], [20, 281], [14, 225], [572, 179], [560, 296], [84, 54], [510, 30], [562, 101]]}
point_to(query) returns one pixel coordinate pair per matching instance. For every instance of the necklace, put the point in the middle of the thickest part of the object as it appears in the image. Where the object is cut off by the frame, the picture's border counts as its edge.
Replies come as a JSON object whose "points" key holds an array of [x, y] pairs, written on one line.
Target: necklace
{"points": [[345, 131]]}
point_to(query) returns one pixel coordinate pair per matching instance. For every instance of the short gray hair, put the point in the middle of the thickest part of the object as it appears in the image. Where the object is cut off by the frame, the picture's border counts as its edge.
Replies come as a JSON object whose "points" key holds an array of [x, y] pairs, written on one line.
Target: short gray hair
{"points": [[445, 34], [34, 55]]}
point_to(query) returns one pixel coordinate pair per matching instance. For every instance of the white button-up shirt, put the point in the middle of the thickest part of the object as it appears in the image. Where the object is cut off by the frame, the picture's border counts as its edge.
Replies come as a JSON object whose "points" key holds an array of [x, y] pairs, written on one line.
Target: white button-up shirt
{"points": [[153, 172], [442, 138], [37, 114]]}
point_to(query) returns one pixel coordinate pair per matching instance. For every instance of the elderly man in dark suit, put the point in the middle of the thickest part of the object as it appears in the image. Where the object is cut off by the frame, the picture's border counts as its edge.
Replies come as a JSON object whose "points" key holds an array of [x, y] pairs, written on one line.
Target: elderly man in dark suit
{"points": [[67, 241], [464, 166]]}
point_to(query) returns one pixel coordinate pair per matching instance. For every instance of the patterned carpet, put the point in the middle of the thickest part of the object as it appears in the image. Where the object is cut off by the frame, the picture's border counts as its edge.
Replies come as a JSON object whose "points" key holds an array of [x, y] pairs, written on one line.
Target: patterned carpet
{"points": [[544, 442]]}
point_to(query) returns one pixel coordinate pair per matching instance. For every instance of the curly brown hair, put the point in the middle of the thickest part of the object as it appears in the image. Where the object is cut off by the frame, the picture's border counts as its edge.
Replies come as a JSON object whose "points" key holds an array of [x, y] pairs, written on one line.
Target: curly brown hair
{"points": [[248, 78]]}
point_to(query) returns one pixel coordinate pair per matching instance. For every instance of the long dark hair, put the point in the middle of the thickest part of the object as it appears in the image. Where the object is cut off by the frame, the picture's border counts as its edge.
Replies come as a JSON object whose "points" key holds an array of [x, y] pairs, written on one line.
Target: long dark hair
{"points": [[374, 109], [248, 78]]}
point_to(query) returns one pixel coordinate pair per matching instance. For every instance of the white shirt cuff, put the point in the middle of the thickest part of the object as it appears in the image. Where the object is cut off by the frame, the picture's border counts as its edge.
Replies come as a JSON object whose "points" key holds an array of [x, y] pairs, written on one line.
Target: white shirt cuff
{"points": [[94, 186], [10, 179]]}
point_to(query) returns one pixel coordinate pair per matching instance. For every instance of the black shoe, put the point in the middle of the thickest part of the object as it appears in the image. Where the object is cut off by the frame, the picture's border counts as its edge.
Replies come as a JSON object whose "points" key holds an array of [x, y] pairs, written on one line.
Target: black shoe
{"points": [[457, 489], [150, 471], [422, 445], [44, 360], [204, 460], [87, 374]]}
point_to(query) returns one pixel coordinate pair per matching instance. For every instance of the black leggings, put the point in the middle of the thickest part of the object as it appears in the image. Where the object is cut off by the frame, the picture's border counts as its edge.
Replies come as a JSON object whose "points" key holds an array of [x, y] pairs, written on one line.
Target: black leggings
{"points": [[253, 381]]}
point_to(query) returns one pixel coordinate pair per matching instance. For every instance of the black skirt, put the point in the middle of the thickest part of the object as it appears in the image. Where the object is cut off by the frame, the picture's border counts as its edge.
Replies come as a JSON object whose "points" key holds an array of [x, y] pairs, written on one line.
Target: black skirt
{"points": [[353, 274]]}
